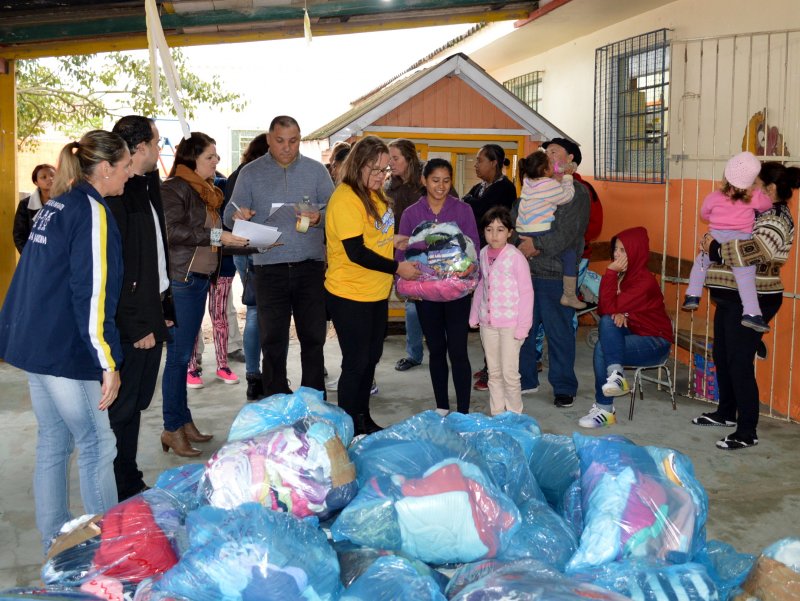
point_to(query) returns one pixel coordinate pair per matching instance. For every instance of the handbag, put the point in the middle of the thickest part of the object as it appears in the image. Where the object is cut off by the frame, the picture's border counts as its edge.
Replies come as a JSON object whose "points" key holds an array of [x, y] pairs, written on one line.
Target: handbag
{"points": [[249, 287]]}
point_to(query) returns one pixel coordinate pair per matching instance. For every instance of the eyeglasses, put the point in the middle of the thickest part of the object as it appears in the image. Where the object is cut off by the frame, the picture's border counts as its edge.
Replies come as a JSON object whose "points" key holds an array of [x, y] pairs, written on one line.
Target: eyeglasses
{"points": [[386, 170]]}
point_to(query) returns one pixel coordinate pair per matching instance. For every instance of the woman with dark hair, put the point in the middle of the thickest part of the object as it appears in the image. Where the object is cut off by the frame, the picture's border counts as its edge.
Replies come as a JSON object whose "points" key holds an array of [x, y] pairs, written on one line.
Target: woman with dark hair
{"points": [[734, 344], [444, 324], [42, 177], [495, 189], [72, 265], [404, 188], [195, 234], [359, 229]]}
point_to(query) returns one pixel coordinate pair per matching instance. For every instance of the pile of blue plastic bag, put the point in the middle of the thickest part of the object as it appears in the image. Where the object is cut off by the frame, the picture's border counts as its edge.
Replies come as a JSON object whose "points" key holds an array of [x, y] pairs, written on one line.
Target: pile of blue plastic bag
{"points": [[465, 507]]}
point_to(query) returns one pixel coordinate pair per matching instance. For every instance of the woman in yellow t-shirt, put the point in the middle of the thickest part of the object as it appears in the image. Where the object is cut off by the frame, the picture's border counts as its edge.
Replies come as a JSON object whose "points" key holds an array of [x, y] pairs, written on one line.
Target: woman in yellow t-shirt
{"points": [[359, 227]]}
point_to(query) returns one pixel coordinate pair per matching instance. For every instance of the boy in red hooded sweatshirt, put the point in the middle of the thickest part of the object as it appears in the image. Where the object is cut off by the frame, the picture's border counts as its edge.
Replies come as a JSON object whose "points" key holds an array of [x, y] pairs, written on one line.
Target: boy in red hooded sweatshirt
{"points": [[634, 326]]}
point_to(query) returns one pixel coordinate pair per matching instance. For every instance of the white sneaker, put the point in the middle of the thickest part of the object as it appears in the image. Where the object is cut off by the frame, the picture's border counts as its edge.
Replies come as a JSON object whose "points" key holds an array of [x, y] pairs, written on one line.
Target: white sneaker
{"points": [[616, 385], [530, 390], [332, 384], [598, 417], [443, 412]]}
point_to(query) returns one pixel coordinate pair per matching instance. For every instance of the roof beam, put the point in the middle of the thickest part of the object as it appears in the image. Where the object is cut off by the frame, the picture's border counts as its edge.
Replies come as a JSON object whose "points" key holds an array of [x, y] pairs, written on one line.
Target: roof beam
{"points": [[79, 32]]}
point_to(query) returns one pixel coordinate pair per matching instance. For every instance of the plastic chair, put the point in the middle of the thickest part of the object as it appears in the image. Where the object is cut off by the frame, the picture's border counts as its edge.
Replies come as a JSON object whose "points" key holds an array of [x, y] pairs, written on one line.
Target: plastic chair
{"points": [[639, 377]]}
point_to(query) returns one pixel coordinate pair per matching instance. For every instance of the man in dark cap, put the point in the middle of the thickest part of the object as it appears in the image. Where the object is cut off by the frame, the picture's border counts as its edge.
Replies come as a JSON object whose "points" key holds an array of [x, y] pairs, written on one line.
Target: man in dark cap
{"points": [[567, 231]]}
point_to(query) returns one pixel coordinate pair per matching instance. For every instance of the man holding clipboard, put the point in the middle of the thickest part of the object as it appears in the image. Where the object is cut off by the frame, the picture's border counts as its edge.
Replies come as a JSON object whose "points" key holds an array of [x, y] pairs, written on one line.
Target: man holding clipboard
{"points": [[290, 276]]}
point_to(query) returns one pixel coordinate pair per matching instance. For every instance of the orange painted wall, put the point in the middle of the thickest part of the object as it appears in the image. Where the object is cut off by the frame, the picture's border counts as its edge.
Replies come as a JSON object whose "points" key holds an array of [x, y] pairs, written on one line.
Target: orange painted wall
{"points": [[449, 103], [627, 205]]}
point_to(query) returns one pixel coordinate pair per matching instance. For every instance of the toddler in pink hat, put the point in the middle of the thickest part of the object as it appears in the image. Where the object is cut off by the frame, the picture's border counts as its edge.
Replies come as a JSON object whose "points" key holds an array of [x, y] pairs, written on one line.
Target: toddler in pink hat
{"points": [[731, 212]]}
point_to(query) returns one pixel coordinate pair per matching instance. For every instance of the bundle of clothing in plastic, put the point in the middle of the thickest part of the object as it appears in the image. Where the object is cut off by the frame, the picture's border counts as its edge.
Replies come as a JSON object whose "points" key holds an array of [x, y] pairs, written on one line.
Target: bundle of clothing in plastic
{"points": [[112, 553], [302, 469], [447, 260], [463, 507]]}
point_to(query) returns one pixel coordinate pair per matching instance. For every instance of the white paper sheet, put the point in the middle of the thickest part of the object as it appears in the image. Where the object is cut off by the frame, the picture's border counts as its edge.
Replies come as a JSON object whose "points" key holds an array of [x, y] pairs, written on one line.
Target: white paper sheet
{"points": [[259, 235]]}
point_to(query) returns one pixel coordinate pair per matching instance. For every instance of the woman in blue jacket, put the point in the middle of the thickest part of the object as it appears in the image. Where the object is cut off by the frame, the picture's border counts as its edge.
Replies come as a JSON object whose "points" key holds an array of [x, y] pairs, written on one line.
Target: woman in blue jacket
{"points": [[72, 265]]}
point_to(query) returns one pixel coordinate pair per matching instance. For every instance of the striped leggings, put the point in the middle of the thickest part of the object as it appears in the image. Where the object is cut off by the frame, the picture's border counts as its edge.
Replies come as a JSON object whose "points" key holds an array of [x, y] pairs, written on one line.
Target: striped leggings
{"points": [[217, 309]]}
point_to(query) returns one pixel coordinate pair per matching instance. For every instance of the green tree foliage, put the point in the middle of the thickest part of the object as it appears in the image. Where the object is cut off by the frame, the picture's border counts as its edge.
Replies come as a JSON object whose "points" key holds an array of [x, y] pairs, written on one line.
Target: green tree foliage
{"points": [[77, 93]]}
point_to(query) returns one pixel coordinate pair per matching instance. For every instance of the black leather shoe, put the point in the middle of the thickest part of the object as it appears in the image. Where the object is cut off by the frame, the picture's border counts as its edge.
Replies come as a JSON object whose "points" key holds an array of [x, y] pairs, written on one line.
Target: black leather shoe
{"points": [[405, 364], [563, 401], [237, 355], [255, 387], [364, 425]]}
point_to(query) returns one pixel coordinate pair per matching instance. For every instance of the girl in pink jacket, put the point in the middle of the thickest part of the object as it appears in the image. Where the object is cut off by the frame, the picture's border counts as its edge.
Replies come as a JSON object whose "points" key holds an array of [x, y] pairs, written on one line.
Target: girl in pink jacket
{"points": [[503, 307], [730, 213]]}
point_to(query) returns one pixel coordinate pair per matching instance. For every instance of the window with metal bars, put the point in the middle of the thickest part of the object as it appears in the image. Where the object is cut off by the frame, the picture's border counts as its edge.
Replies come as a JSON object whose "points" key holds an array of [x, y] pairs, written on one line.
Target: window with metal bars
{"points": [[527, 87], [631, 90], [240, 139]]}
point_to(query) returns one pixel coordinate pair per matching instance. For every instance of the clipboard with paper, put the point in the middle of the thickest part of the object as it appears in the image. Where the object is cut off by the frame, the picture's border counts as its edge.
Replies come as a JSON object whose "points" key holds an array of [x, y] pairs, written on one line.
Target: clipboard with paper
{"points": [[260, 236]]}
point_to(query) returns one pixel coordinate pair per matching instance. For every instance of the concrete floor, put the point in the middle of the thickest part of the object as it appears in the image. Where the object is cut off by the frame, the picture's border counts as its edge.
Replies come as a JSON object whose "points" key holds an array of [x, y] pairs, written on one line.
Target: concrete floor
{"points": [[754, 493]]}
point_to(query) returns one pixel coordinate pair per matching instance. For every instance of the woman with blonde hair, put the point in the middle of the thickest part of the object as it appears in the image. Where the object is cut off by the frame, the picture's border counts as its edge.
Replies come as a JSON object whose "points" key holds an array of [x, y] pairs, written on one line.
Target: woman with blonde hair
{"points": [[72, 265], [359, 229]]}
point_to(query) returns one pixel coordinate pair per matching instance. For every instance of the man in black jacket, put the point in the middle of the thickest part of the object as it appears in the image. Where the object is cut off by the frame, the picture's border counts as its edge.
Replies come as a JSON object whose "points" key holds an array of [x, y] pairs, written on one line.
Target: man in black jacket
{"points": [[145, 308]]}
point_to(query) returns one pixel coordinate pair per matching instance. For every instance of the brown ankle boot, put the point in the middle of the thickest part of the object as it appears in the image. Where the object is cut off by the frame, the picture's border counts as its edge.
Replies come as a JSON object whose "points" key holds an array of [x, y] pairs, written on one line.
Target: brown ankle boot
{"points": [[178, 442], [194, 435]]}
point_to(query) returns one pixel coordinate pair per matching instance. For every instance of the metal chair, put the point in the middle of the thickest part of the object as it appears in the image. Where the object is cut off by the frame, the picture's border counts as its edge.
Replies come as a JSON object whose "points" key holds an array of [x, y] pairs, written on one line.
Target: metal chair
{"points": [[638, 377]]}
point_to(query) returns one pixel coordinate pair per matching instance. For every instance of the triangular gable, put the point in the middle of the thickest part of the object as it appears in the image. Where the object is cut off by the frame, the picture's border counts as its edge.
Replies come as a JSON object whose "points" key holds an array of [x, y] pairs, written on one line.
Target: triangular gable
{"points": [[380, 104]]}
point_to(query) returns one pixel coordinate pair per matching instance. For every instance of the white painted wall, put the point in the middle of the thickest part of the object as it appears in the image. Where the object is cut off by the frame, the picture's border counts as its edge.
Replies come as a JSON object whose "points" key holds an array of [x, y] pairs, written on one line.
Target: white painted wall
{"points": [[568, 85]]}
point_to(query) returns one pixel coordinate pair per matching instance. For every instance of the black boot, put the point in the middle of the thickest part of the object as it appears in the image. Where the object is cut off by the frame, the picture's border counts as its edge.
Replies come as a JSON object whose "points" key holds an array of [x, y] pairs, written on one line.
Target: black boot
{"points": [[364, 424], [255, 387]]}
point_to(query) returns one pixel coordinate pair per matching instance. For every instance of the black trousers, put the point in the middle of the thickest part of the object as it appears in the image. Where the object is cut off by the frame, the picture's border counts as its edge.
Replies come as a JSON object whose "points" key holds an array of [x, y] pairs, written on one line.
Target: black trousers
{"points": [[283, 291], [138, 376], [446, 326], [360, 328], [734, 353]]}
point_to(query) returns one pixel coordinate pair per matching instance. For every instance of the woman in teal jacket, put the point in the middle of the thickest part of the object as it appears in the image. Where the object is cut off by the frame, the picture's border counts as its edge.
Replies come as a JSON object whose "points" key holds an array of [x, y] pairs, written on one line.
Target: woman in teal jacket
{"points": [[72, 266]]}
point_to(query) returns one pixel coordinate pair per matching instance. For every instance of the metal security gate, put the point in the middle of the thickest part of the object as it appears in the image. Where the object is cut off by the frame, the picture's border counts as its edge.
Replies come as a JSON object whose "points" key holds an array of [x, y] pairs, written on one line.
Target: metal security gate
{"points": [[727, 94]]}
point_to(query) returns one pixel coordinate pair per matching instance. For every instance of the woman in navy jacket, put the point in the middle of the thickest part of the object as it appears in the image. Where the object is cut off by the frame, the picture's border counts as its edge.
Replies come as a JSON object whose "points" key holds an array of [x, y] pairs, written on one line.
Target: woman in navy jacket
{"points": [[72, 265]]}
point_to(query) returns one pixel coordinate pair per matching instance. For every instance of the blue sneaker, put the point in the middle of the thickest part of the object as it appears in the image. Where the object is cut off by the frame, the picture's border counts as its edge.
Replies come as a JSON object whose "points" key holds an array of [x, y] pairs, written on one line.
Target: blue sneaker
{"points": [[755, 322], [690, 303]]}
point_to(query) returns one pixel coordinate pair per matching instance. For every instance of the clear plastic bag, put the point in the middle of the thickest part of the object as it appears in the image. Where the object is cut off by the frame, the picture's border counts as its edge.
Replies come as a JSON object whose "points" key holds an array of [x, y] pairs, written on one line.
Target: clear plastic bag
{"points": [[391, 578], [447, 259], [286, 409], [182, 479], [637, 502], [453, 513], [522, 428], [726, 567], [250, 553], [47, 593], [136, 539], [302, 469]]}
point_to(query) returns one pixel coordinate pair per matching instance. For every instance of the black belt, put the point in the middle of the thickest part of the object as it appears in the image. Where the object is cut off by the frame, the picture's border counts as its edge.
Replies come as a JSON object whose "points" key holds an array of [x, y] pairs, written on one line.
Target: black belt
{"points": [[199, 276], [295, 264]]}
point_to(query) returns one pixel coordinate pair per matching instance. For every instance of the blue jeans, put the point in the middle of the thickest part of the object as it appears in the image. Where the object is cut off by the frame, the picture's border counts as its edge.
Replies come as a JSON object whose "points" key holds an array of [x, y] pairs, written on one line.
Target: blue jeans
{"points": [[583, 266], [252, 341], [413, 333], [190, 305], [67, 416], [557, 321], [619, 346]]}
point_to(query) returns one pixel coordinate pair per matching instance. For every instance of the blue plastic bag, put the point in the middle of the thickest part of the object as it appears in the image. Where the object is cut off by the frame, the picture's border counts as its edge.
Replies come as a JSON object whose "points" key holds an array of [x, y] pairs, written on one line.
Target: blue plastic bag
{"points": [[46, 593], [391, 578], [522, 428], [410, 448], [726, 567], [286, 409], [653, 580], [525, 580], [543, 535], [183, 479], [302, 469], [251, 553], [637, 502], [453, 513], [554, 464]]}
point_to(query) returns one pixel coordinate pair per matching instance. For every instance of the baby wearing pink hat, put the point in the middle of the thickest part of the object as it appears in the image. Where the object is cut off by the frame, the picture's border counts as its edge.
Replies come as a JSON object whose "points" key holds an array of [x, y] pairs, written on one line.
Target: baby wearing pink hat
{"points": [[731, 212]]}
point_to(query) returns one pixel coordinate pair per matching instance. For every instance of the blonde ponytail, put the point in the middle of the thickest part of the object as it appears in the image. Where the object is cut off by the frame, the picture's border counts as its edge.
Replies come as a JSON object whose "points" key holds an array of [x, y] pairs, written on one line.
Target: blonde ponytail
{"points": [[78, 160]]}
